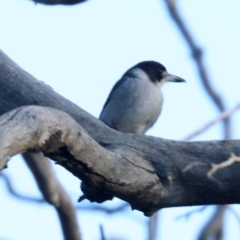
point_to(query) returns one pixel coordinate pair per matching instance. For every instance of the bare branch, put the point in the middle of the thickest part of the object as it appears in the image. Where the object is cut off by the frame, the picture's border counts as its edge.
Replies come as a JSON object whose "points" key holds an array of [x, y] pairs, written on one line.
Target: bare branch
{"points": [[213, 228], [221, 117], [117, 209], [142, 170], [152, 226], [14, 193], [57, 135], [190, 213], [197, 54], [54, 194], [102, 232]]}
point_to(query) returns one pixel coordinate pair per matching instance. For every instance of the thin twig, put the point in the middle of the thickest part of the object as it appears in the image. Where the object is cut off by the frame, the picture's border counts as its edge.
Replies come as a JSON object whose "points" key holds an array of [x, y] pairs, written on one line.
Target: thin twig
{"points": [[188, 214], [14, 193], [104, 209], [152, 226], [197, 55], [102, 232], [204, 128]]}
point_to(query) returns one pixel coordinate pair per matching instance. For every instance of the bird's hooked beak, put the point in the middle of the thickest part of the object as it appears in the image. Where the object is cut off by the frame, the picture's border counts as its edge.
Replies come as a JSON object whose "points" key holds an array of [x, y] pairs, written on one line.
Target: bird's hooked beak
{"points": [[172, 78]]}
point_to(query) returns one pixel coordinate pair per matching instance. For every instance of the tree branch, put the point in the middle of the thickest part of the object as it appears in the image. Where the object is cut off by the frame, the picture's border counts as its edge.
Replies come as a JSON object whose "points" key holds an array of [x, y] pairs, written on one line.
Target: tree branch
{"points": [[17, 195], [109, 211], [197, 54], [213, 227], [204, 128], [153, 226], [54, 194], [142, 170]]}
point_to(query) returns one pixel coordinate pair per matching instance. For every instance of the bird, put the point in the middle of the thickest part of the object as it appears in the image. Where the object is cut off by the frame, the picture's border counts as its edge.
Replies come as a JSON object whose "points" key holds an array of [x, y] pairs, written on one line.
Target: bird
{"points": [[135, 101]]}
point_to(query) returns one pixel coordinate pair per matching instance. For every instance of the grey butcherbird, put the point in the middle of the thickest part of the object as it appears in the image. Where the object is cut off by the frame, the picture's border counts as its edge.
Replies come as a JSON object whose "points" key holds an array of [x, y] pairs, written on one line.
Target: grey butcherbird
{"points": [[136, 100]]}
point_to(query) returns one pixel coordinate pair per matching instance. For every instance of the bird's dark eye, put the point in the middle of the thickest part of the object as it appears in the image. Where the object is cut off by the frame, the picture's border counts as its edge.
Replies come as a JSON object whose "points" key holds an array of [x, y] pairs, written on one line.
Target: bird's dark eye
{"points": [[162, 68], [153, 69]]}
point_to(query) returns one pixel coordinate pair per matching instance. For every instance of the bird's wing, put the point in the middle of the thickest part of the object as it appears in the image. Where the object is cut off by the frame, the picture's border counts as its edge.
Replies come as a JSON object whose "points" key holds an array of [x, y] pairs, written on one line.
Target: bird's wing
{"points": [[116, 86]]}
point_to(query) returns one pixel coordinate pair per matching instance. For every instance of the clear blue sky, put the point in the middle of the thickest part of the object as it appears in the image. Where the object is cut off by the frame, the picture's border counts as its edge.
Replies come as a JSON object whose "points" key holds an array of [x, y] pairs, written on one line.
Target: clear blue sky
{"points": [[81, 52]]}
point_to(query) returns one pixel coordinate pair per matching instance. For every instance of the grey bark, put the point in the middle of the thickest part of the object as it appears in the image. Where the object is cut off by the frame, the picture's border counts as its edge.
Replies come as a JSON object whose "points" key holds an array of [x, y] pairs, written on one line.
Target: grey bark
{"points": [[54, 194], [216, 222], [145, 171]]}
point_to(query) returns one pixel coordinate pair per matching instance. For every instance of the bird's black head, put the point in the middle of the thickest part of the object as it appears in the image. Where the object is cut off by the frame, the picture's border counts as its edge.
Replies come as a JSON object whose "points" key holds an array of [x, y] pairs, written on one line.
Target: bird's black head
{"points": [[154, 70]]}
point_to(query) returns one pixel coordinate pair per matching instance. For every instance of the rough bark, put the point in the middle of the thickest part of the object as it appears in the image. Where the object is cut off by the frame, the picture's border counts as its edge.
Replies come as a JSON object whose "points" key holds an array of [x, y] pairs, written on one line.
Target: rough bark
{"points": [[145, 171]]}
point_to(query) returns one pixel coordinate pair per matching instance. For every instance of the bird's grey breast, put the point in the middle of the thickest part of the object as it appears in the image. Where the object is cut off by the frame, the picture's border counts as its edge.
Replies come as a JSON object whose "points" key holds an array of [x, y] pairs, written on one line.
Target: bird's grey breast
{"points": [[134, 106]]}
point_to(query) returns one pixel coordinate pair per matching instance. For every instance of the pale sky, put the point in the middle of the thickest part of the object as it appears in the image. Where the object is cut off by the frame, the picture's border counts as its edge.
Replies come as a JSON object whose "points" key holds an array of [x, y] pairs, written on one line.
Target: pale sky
{"points": [[81, 51]]}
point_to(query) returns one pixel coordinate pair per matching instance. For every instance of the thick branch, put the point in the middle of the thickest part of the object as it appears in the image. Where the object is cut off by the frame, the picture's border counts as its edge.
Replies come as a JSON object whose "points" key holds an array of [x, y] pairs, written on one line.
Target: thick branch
{"points": [[142, 170], [147, 178], [56, 134]]}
